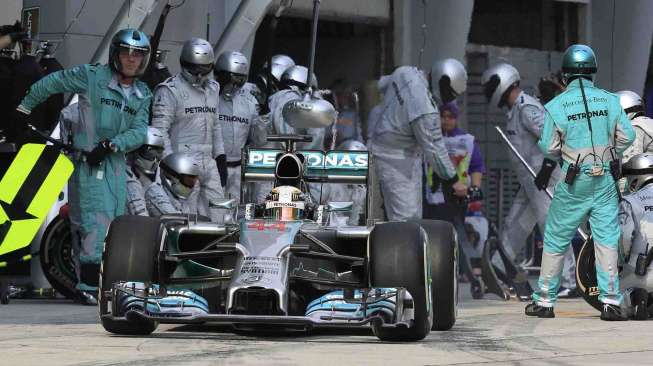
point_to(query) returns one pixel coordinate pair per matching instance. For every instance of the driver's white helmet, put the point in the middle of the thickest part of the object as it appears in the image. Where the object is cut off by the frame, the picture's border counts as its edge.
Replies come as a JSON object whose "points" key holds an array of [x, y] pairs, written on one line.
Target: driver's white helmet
{"points": [[285, 203]]}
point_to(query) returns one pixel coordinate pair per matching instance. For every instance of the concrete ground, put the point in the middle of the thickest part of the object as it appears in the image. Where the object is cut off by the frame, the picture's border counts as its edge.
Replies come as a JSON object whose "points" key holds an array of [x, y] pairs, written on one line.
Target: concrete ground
{"points": [[488, 332]]}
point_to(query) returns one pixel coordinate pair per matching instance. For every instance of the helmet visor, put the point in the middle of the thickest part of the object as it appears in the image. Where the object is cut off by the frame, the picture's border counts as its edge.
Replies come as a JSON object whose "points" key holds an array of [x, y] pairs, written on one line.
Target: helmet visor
{"points": [[197, 69], [129, 50], [151, 153], [188, 180]]}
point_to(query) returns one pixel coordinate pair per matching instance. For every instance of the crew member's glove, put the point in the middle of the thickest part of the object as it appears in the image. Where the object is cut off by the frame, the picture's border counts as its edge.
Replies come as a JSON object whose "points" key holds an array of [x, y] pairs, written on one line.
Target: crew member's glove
{"points": [[221, 162], [21, 119], [544, 175], [15, 32], [17, 36], [263, 109], [475, 194], [100, 152], [6, 29], [435, 183]]}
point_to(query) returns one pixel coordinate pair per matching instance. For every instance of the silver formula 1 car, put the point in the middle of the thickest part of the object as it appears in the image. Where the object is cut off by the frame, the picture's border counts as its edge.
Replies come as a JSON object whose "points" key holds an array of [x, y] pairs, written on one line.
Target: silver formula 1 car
{"points": [[283, 265]]}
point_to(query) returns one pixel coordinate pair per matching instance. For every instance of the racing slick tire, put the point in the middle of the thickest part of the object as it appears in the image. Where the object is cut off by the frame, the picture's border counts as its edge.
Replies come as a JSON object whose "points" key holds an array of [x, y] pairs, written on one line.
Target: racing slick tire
{"points": [[399, 257], [130, 249], [444, 268], [586, 275], [56, 257]]}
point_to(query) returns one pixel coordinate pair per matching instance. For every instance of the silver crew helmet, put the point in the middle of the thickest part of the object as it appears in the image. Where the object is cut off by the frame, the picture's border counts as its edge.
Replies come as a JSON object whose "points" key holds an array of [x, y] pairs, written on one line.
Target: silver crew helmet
{"points": [[281, 63], [448, 79], [231, 70], [149, 154], [196, 60], [179, 174], [497, 83], [631, 102], [296, 76], [233, 62], [352, 145], [638, 171]]}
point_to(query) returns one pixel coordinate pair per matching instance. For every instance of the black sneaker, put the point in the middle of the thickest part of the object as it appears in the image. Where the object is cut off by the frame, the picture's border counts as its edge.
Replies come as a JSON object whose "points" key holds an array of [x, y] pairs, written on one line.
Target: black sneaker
{"points": [[611, 312], [639, 299], [477, 288], [534, 309]]}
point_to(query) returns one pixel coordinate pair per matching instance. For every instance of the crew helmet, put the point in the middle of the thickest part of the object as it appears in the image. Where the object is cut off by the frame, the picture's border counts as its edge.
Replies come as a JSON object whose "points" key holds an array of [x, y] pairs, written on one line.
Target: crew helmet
{"points": [[179, 174], [149, 154], [498, 81], [578, 60], [631, 102], [231, 69], [448, 79], [280, 63], [296, 76], [196, 60], [638, 171], [352, 145], [133, 41]]}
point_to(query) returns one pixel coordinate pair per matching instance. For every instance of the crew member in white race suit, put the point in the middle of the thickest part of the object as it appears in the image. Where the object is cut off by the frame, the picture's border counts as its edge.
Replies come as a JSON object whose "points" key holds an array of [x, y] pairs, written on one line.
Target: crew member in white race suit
{"points": [[523, 128], [142, 164], [293, 82], [408, 130], [643, 126], [176, 189], [185, 110], [636, 221], [237, 113]]}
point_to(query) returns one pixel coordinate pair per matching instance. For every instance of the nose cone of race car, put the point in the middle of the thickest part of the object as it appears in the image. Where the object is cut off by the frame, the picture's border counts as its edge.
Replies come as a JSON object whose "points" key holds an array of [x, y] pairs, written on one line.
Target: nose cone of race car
{"points": [[309, 113]]}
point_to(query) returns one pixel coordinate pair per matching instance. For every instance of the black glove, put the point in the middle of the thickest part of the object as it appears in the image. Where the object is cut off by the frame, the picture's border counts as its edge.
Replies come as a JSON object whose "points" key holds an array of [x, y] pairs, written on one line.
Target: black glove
{"points": [[103, 148], [221, 162], [544, 175], [17, 36], [475, 194], [435, 183], [6, 29], [21, 120], [264, 109], [447, 188]]}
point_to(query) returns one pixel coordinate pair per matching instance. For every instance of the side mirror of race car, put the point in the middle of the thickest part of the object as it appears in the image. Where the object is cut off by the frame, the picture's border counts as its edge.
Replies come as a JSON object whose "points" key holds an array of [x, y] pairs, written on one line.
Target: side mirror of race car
{"points": [[309, 112], [344, 206], [225, 204]]}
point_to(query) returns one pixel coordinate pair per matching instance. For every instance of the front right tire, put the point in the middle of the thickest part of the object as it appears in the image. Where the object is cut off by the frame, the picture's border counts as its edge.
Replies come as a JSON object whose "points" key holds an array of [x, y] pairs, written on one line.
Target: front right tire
{"points": [[130, 251], [398, 255], [444, 271]]}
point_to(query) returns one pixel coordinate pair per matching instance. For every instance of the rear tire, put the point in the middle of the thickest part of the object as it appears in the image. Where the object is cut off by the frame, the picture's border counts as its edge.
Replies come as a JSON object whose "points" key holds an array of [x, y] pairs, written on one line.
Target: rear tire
{"points": [[57, 259], [444, 269], [399, 257], [130, 251], [586, 275]]}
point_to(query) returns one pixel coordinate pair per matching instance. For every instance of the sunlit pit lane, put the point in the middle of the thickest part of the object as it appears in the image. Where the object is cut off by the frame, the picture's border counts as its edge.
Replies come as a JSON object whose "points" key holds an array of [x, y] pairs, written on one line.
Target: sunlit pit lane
{"points": [[489, 331]]}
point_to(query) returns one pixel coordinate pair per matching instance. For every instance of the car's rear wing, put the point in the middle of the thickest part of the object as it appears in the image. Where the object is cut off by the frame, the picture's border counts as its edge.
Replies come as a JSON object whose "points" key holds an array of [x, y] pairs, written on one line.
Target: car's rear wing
{"points": [[335, 166]]}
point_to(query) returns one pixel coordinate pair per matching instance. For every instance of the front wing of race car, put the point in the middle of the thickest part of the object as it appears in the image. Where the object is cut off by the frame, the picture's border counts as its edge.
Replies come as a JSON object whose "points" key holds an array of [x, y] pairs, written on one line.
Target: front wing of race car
{"points": [[387, 307]]}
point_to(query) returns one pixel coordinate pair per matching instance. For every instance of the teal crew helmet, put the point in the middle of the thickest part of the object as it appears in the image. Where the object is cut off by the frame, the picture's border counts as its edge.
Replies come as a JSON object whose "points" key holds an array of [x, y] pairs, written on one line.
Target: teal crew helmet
{"points": [[578, 60], [132, 40]]}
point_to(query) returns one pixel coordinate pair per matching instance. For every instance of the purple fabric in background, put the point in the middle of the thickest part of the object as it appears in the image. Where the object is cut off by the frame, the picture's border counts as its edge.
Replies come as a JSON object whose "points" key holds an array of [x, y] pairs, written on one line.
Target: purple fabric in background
{"points": [[476, 164]]}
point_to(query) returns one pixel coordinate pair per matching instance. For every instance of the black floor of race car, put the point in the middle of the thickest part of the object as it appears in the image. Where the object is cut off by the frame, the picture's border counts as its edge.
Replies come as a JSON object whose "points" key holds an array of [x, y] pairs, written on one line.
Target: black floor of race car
{"points": [[488, 331]]}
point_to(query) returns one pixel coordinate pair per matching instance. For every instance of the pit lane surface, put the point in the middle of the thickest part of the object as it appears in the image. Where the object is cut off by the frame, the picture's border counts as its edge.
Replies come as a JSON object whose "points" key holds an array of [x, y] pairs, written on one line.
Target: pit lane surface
{"points": [[488, 332]]}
